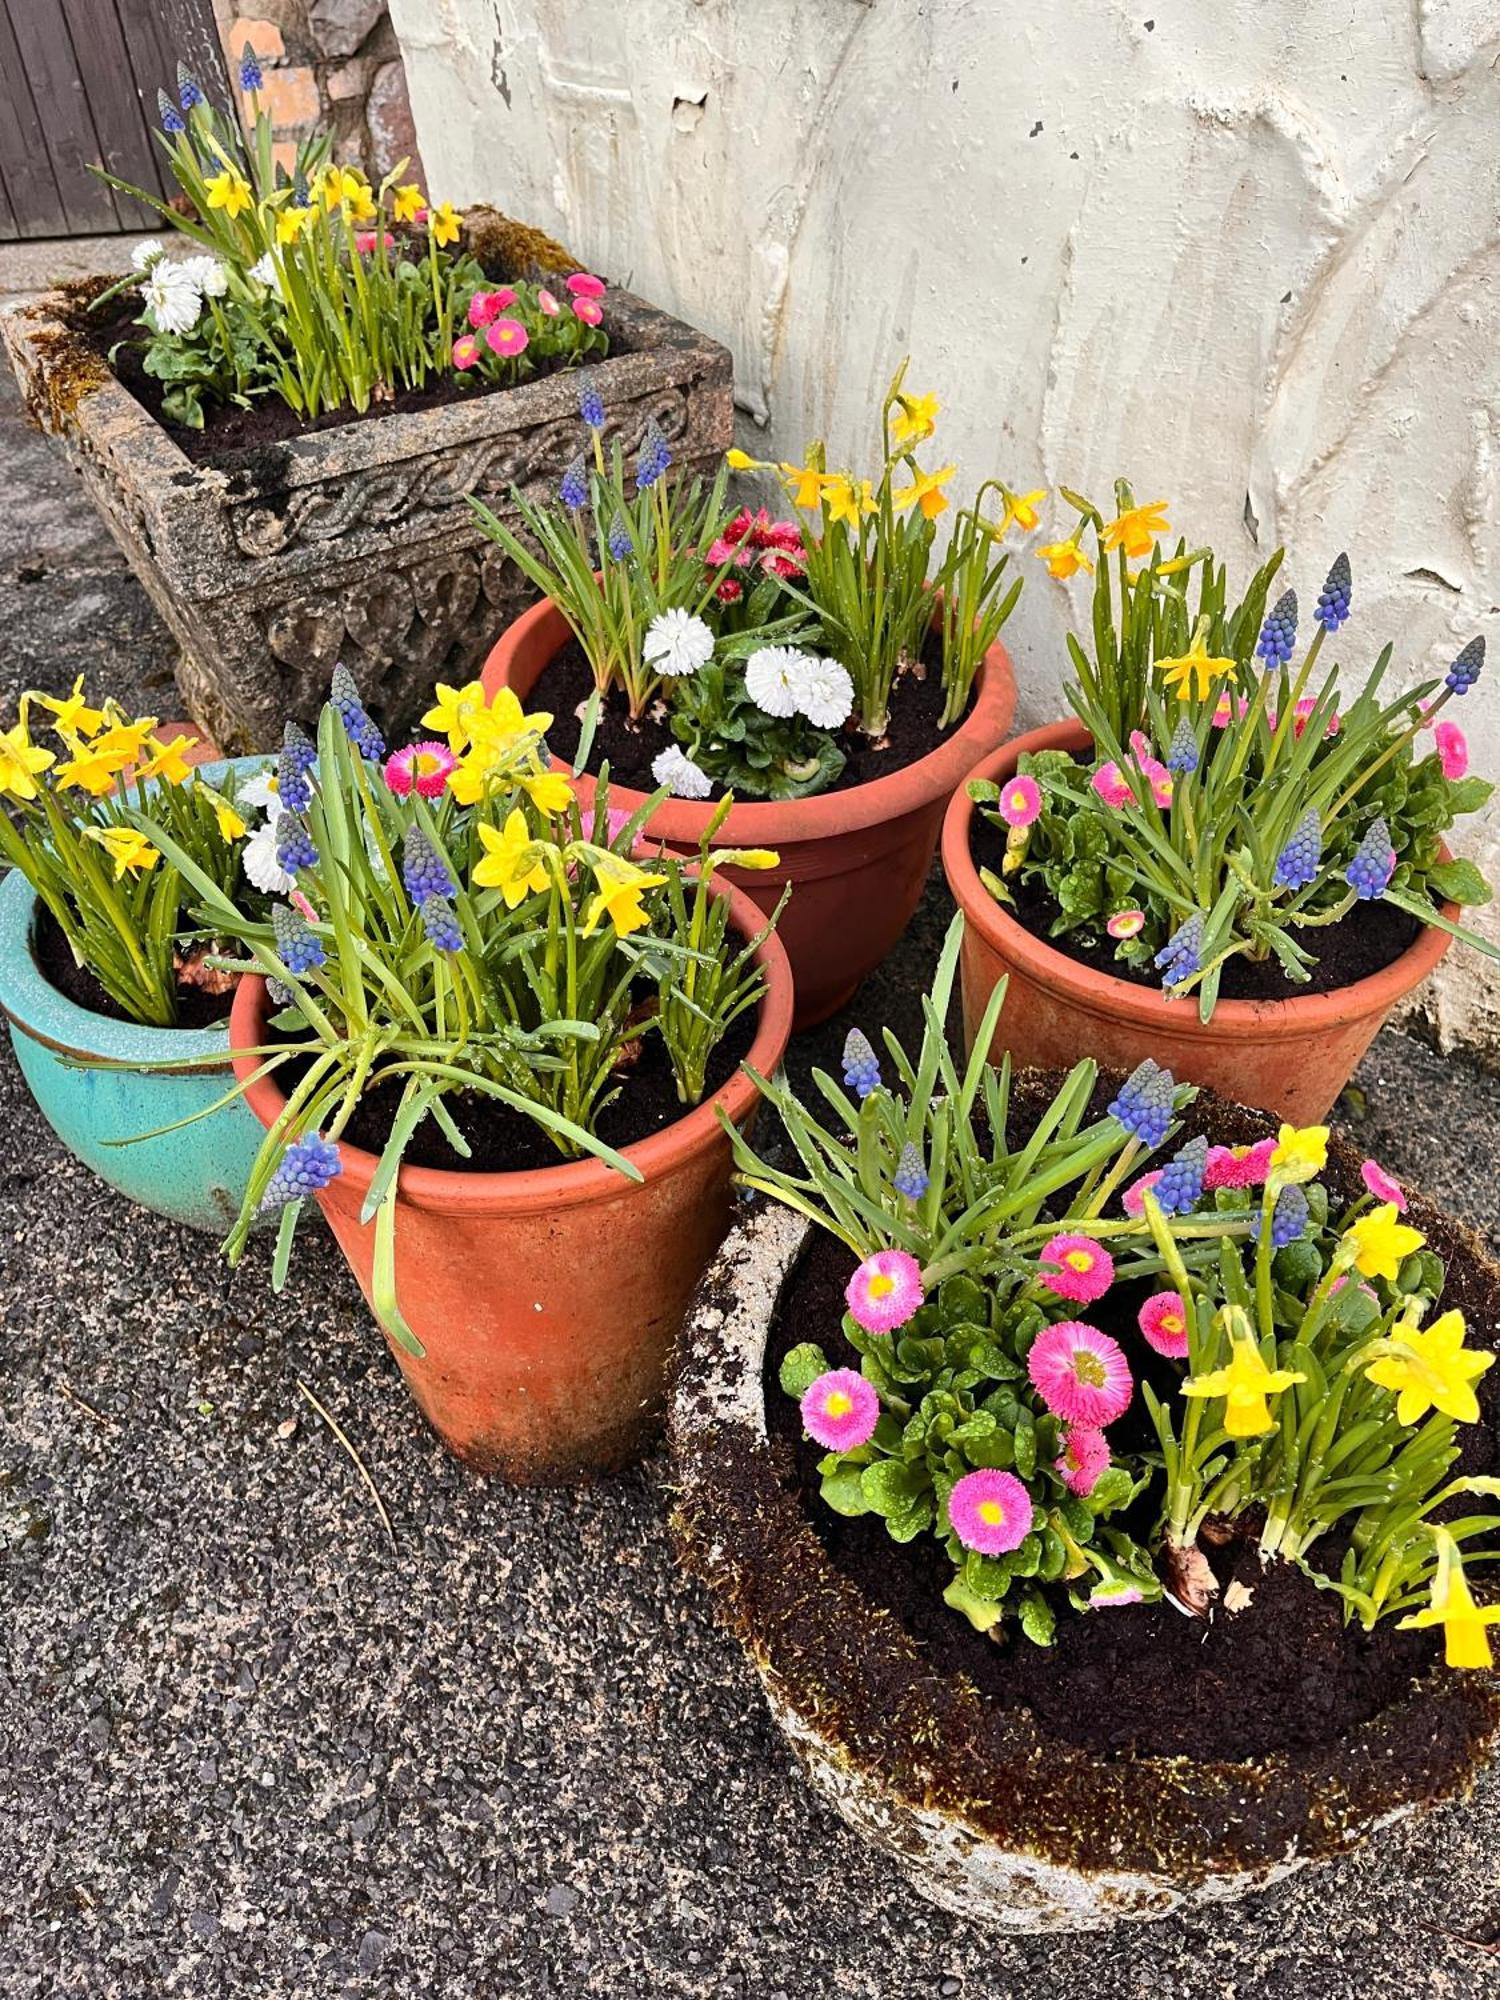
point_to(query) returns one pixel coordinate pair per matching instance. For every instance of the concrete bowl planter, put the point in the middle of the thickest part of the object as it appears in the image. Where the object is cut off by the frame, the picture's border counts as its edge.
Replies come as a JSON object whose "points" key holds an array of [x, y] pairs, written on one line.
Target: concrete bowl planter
{"points": [[196, 1175], [990, 1814], [856, 860], [354, 543], [1293, 1056]]}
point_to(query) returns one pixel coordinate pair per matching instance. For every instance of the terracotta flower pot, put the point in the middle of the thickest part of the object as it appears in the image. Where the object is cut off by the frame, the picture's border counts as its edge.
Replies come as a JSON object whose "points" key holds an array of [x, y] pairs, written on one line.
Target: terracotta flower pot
{"points": [[1290, 1056], [857, 860], [547, 1300]]}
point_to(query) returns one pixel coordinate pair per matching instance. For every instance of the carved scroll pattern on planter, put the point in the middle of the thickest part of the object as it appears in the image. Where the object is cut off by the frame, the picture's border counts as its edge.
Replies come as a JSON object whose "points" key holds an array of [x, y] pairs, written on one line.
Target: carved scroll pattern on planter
{"points": [[416, 488]]}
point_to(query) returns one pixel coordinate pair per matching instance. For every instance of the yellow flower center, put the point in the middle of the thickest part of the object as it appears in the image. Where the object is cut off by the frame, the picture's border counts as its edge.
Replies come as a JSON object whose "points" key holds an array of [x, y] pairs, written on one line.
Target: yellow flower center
{"points": [[1079, 1260], [1088, 1368], [839, 1403], [881, 1286], [1171, 1323], [991, 1513]]}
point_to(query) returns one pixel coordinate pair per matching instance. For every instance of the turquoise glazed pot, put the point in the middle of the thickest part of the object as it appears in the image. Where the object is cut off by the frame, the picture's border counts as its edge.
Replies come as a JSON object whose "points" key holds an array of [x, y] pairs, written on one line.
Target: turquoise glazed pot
{"points": [[197, 1175]]}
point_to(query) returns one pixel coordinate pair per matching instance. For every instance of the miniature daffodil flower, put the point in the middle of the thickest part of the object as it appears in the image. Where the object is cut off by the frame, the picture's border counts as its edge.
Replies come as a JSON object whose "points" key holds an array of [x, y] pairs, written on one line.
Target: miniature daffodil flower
{"points": [[1136, 529], [291, 222], [444, 223], [453, 711], [620, 885], [926, 492], [231, 826], [914, 418], [805, 483], [1193, 672], [1382, 1242], [1020, 511], [1245, 1384], [1300, 1155], [548, 791], [20, 761], [504, 721], [91, 769], [229, 191], [127, 848], [169, 760], [71, 715], [513, 861], [1064, 559], [846, 501], [1466, 1643], [746, 857], [741, 461], [408, 202], [1431, 1369]]}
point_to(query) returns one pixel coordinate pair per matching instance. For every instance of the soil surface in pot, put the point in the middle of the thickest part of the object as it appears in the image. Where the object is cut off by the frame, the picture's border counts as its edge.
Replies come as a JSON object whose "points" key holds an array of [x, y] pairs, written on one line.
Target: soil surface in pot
{"points": [[196, 1008], [1284, 1673], [505, 1141], [629, 747], [1372, 936]]}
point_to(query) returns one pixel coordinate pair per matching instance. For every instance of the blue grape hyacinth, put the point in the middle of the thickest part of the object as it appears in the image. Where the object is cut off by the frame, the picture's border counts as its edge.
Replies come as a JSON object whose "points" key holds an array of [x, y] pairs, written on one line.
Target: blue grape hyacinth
{"points": [[308, 1164], [1144, 1103], [250, 71], [1288, 1218], [298, 755], [861, 1064], [1180, 1188], [172, 120], [910, 1177], [1182, 751], [1334, 598], [1374, 863], [1466, 669], [1278, 635], [591, 407], [620, 543], [298, 946], [1298, 862], [573, 488], [654, 456], [440, 921], [423, 869], [294, 848], [358, 727], [189, 90], [1181, 957]]}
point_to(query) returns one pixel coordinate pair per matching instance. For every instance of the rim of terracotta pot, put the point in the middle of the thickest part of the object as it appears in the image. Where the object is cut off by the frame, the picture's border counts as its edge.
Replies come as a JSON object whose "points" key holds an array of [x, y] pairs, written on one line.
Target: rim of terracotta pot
{"points": [[1147, 1008], [760, 822], [575, 1182], [747, 1534]]}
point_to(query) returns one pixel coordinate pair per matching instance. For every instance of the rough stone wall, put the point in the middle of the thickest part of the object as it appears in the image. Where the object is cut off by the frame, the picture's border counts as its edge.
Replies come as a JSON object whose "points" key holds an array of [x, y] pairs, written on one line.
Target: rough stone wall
{"points": [[1247, 256], [328, 63]]}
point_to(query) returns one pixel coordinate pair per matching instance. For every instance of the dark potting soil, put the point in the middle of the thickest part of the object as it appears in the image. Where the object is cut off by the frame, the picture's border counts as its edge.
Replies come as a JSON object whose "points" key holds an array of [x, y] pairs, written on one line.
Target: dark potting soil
{"points": [[1284, 1673], [505, 1141], [1371, 937], [57, 965], [629, 748]]}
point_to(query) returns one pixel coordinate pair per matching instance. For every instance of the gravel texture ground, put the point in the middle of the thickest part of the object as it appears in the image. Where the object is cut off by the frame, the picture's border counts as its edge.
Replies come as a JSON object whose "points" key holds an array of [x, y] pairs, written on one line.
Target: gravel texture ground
{"points": [[251, 1748]]}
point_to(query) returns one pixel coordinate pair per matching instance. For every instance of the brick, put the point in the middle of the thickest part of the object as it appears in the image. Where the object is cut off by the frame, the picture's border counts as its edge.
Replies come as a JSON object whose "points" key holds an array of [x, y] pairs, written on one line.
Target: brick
{"points": [[264, 38], [290, 98]]}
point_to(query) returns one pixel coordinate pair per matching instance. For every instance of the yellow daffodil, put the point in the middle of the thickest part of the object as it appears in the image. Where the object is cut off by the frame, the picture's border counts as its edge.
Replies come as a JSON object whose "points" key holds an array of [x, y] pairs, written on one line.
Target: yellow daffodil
{"points": [[505, 722], [126, 847], [291, 222], [343, 187], [513, 861], [1382, 1242], [444, 223], [229, 191], [805, 483], [71, 715], [91, 769], [1244, 1384], [20, 761], [169, 761], [620, 885], [1466, 1643], [1300, 1155], [846, 501], [1064, 559], [408, 202], [1193, 672], [548, 791], [914, 419], [1020, 512], [125, 741], [453, 711], [741, 461], [1432, 1370], [231, 826], [1136, 529], [746, 857], [926, 492]]}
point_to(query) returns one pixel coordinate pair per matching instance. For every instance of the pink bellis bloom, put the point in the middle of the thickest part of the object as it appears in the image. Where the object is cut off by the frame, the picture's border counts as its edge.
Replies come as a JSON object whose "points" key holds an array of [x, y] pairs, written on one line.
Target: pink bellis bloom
{"points": [[1085, 1454], [1384, 1186], [1080, 1374], [1163, 1320], [588, 310], [990, 1512], [1125, 923], [584, 286], [486, 307], [465, 351], [507, 337], [1020, 802], [420, 767], [840, 1410], [1133, 1201], [1452, 749], [1238, 1166], [1302, 713], [365, 241], [885, 1291], [1109, 782], [547, 301], [1077, 1268]]}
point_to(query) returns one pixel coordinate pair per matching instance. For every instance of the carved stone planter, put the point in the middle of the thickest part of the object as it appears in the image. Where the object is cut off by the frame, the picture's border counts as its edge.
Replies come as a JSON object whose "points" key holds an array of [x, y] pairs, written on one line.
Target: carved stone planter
{"points": [[353, 543]]}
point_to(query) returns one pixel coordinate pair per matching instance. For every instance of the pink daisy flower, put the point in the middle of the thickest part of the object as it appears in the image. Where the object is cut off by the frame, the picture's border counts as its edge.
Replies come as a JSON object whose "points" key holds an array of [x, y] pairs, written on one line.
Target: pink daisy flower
{"points": [[1452, 749], [1085, 1454], [730, 591], [885, 1291], [481, 311], [589, 311], [1020, 802], [584, 286], [465, 351], [1077, 1268], [1163, 1320], [727, 550], [364, 242], [1109, 782], [1382, 1185], [1303, 711], [420, 767], [782, 562], [1125, 923], [1238, 1166], [840, 1410], [990, 1512], [548, 302], [1133, 1201], [508, 337], [1159, 778], [1080, 1374]]}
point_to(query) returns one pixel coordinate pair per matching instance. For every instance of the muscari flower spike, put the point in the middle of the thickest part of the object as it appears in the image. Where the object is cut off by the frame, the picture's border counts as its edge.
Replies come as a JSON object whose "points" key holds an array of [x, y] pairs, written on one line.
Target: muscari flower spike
{"points": [[1374, 863], [1144, 1105], [1288, 1218], [172, 120], [298, 755], [1181, 957], [1180, 1188], [250, 70], [294, 848], [591, 407], [189, 90], [1465, 670], [1182, 752], [573, 489], [298, 946], [423, 869], [1298, 862], [440, 922], [308, 1164], [910, 1177], [619, 538], [654, 456], [1332, 608], [1278, 635], [861, 1064], [358, 727]]}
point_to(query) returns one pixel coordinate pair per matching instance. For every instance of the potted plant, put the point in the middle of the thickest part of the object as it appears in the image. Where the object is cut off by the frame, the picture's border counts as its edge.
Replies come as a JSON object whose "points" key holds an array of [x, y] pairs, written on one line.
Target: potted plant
{"points": [[831, 670], [489, 1032], [1107, 1540], [1221, 862], [283, 443], [104, 978]]}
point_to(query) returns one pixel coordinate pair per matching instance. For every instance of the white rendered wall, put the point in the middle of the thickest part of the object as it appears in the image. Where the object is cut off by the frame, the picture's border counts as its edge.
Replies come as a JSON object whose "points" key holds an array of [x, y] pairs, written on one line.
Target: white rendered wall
{"points": [[1245, 252]]}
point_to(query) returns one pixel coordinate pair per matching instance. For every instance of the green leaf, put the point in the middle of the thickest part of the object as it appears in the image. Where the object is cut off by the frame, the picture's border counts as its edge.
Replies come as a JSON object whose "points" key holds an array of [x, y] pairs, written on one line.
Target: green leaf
{"points": [[891, 1486], [1111, 1489], [1038, 1621], [842, 1491], [801, 1367], [983, 1613], [1468, 795], [1459, 882]]}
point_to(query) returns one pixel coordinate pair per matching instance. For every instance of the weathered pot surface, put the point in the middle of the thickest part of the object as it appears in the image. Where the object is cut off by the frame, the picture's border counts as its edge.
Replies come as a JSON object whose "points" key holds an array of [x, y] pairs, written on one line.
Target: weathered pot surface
{"points": [[857, 861], [354, 543], [1053, 1837], [1293, 1056]]}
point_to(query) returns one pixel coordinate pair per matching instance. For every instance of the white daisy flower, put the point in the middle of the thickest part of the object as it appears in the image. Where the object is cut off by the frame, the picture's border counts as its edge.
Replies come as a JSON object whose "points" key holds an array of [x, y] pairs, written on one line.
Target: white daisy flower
{"points": [[144, 255], [172, 298], [260, 791], [675, 769], [774, 677], [258, 859], [677, 643], [827, 693], [208, 274], [264, 272]]}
